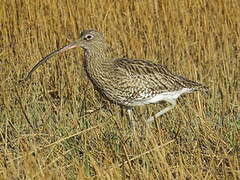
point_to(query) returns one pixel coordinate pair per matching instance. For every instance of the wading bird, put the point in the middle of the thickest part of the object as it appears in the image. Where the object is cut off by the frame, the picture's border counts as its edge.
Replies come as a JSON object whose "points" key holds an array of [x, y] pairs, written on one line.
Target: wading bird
{"points": [[127, 82]]}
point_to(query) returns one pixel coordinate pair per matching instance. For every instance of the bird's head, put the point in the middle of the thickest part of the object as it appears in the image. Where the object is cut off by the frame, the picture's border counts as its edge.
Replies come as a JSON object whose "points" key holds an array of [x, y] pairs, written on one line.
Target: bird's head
{"points": [[90, 40]]}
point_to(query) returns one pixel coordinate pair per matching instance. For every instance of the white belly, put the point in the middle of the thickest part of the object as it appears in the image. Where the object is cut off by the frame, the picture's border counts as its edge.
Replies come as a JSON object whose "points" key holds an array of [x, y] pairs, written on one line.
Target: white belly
{"points": [[160, 97]]}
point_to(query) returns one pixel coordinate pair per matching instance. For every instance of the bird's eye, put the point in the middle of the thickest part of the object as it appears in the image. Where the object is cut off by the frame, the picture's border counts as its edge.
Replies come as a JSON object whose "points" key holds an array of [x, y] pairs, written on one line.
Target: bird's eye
{"points": [[88, 37]]}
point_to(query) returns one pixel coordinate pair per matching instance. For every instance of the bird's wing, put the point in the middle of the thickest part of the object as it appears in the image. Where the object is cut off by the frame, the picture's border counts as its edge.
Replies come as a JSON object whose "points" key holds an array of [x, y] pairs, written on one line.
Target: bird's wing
{"points": [[153, 75]]}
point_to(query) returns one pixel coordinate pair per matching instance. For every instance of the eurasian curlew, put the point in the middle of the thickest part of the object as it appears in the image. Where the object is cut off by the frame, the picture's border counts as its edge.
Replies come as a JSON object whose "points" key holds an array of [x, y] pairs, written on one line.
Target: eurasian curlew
{"points": [[127, 82]]}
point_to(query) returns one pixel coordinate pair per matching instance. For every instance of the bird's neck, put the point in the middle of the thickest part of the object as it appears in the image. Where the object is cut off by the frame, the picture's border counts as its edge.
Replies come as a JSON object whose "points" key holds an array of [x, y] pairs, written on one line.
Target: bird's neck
{"points": [[96, 60]]}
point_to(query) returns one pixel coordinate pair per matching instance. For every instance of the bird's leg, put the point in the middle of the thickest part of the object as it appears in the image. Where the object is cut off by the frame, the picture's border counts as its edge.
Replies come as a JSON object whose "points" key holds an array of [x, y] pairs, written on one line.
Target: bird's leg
{"points": [[173, 104], [131, 119]]}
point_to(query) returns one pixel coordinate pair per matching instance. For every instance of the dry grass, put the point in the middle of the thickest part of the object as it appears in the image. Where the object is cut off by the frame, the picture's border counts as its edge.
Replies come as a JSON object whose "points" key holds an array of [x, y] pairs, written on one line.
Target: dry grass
{"points": [[46, 128]]}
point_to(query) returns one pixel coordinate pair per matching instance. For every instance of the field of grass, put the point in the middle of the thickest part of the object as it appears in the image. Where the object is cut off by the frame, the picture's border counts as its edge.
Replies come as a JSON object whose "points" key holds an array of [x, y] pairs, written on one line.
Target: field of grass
{"points": [[53, 126]]}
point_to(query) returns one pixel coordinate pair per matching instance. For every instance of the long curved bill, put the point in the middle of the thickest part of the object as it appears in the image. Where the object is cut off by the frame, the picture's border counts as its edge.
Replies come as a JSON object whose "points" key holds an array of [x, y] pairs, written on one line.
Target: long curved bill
{"points": [[42, 61]]}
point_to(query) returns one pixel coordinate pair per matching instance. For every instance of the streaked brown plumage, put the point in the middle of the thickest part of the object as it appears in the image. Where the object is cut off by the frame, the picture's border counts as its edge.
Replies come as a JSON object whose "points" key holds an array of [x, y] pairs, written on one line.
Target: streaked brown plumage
{"points": [[127, 82]]}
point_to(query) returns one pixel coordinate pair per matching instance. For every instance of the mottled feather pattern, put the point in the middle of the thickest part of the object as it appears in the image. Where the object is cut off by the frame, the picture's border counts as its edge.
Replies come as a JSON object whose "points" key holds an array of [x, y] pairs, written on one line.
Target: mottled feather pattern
{"points": [[124, 81]]}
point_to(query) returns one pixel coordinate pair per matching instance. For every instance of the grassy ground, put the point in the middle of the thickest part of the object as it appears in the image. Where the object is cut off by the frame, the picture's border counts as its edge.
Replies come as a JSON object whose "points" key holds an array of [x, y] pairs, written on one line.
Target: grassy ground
{"points": [[48, 126]]}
